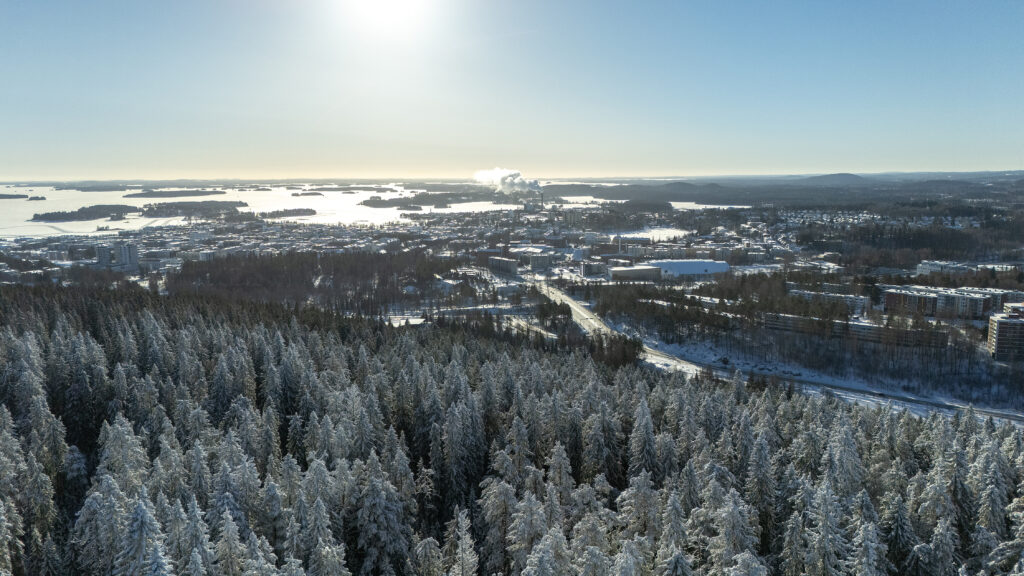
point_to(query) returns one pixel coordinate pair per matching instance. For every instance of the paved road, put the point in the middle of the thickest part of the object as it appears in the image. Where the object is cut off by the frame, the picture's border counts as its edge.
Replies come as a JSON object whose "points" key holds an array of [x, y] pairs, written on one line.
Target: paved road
{"points": [[591, 323]]}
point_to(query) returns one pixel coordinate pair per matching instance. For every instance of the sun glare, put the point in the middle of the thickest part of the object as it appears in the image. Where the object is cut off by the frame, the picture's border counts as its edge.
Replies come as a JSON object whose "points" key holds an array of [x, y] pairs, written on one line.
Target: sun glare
{"points": [[389, 20]]}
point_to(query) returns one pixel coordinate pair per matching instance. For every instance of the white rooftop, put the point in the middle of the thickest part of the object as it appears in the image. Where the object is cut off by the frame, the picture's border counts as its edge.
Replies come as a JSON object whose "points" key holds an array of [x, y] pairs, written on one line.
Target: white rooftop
{"points": [[690, 267]]}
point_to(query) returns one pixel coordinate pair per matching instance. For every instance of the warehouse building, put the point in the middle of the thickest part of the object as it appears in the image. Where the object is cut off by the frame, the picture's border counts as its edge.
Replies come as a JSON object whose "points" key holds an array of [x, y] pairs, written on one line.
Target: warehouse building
{"points": [[690, 269], [635, 273]]}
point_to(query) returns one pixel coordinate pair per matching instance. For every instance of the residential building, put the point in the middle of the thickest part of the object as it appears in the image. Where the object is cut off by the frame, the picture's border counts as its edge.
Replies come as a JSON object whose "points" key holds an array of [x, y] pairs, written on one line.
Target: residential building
{"points": [[1006, 333], [941, 267], [910, 301], [507, 266], [855, 304], [591, 268], [856, 330], [538, 262]]}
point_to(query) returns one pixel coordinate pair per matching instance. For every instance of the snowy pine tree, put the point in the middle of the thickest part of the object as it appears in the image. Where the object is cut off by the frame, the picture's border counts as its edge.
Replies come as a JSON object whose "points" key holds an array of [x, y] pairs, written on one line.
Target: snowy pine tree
{"points": [[142, 540], [464, 559], [230, 553], [869, 553]]}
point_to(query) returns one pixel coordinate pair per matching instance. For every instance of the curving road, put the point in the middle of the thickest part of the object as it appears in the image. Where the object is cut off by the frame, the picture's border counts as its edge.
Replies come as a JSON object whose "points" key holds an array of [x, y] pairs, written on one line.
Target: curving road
{"points": [[591, 323]]}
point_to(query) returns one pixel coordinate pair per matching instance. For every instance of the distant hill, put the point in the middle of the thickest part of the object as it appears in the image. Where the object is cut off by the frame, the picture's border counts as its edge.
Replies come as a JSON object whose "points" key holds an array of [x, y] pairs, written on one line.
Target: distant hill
{"points": [[945, 186], [174, 193], [661, 192], [642, 205], [841, 180], [814, 191]]}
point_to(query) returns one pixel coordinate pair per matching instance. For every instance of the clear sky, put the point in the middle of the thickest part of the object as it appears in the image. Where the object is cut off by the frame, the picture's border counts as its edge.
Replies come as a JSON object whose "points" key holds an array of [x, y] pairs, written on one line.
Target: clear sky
{"points": [[430, 88]]}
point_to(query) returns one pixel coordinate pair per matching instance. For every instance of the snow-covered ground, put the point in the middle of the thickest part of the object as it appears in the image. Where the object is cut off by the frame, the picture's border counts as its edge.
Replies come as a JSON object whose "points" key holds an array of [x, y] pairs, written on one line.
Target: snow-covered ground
{"points": [[657, 234], [854, 389]]}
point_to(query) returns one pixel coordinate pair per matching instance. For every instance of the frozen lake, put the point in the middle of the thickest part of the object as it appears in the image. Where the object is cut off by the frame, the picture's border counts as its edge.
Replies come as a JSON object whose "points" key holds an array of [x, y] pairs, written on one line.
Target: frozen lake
{"points": [[332, 207]]}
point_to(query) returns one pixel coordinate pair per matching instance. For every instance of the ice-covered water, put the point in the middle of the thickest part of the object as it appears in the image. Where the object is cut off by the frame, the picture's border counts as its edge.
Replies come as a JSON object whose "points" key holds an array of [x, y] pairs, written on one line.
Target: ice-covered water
{"points": [[332, 207]]}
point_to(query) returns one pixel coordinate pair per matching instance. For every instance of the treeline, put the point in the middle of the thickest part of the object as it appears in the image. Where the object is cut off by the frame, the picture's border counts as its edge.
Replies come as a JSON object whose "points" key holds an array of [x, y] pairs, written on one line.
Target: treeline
{"points": [[986, 278], [360, 283], [188, 435], [209, 209], [288, 213], [904, 245], [745, 295], [441, 199], [95, 212], [23, 265], [806, 194], [148, 193], [555, 316]]}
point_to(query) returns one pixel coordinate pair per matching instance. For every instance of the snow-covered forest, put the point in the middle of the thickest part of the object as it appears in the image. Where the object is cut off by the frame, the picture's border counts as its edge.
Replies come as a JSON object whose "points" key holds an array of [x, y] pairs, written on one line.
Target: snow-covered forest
{"points": [[146, 435]]}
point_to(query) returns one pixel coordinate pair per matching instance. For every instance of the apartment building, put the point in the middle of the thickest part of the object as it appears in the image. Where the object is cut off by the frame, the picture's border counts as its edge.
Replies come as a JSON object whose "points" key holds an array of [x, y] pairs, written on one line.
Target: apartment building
{"points": [[1006, 333]]}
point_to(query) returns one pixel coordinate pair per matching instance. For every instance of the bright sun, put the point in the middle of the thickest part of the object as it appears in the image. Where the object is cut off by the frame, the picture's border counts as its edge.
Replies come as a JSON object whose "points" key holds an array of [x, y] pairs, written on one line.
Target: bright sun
{"points": [[394, 20]]}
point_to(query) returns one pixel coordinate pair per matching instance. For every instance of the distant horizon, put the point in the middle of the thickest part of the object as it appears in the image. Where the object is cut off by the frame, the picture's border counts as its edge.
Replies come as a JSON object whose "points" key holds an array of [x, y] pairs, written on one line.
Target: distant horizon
{"points": [[469, 177]]}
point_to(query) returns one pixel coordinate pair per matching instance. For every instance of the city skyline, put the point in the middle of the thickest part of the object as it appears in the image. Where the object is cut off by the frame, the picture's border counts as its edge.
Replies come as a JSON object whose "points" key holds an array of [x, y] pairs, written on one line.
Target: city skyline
{"points": [[444, 88]]}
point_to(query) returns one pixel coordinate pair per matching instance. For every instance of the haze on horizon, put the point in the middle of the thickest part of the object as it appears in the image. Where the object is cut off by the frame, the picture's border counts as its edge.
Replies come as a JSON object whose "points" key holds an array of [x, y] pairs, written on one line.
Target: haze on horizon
{"points": [[117, 89]]}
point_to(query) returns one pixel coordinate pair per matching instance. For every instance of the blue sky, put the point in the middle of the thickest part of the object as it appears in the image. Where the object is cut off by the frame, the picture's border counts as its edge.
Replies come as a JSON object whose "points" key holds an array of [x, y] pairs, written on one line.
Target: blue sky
{"points": [[403, 88]]}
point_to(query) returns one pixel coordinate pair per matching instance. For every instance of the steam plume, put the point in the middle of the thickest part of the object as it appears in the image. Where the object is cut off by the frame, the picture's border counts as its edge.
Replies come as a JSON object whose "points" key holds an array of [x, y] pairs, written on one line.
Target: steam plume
{"points": [[505, 180]]}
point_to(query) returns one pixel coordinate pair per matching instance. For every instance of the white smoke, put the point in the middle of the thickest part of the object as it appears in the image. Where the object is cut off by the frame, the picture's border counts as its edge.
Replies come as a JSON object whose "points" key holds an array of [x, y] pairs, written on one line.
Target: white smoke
{"points": [[505, 180]]}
